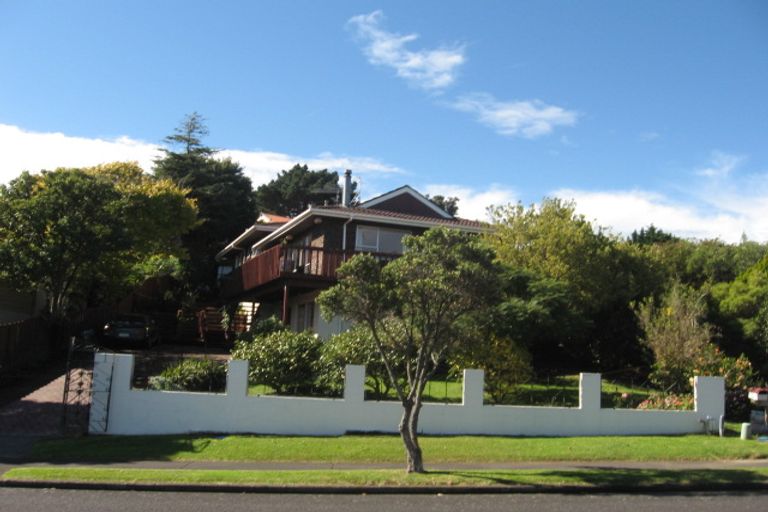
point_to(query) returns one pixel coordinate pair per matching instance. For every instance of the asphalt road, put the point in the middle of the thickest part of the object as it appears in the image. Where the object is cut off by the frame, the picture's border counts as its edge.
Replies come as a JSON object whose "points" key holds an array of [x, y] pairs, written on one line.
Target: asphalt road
{"points": [[30, 500]]}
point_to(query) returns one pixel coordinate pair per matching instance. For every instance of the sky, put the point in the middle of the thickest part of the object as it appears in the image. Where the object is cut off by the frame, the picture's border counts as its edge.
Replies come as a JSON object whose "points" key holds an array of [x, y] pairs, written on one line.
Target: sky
{"points": [[640, 112]]}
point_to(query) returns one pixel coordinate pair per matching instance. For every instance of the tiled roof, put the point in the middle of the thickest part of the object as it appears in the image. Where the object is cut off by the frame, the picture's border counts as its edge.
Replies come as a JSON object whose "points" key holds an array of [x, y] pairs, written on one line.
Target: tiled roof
{"points": [[456, 221]]}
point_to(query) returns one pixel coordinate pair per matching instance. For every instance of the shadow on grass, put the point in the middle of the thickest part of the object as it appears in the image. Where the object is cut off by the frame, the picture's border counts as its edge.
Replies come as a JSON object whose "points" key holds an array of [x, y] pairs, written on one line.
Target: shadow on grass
{"points": [[117, 449], [615, 477]]}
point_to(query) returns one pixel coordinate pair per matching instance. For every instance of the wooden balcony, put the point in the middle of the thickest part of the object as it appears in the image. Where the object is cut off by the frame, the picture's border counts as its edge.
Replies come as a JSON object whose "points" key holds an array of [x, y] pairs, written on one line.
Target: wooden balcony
{"points": [[295, 263]]}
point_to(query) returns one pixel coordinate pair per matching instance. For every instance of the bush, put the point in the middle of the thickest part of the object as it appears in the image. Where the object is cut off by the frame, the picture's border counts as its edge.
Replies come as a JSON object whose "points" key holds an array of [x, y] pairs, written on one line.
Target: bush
{"points": [[283, 360], [191, 375], [355, 346], [506, 364], [668, 401]]}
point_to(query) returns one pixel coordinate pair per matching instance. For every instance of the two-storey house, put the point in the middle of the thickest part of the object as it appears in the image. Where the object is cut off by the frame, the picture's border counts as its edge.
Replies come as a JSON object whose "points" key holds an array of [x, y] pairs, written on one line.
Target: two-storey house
{"points": [[284, 263]]}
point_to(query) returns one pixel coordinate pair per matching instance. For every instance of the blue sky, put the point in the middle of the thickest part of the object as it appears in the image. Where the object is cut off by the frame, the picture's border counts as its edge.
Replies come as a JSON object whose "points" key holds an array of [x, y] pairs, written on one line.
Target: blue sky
{"points": [[641, 112]]}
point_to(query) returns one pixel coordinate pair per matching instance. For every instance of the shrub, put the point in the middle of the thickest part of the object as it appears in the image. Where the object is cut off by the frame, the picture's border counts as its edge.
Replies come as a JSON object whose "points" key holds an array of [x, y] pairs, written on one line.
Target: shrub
{"points": [[191, 375], [668, 401], [355, 346], [283, 360], [506, 364]]}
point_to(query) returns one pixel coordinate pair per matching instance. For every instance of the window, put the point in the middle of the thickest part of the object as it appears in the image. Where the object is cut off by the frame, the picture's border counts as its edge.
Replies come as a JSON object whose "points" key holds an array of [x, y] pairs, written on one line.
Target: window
{"points": [[305, 317], [384, 240]]}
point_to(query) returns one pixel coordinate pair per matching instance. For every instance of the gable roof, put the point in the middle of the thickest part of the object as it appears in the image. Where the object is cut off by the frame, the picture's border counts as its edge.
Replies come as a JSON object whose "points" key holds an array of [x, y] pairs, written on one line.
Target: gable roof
{"points": [[407, 191]]}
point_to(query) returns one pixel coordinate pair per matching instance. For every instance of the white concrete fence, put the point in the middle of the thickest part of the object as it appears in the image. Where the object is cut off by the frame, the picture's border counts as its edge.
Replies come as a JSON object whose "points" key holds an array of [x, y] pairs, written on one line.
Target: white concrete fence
{"points": [[133, 411]]}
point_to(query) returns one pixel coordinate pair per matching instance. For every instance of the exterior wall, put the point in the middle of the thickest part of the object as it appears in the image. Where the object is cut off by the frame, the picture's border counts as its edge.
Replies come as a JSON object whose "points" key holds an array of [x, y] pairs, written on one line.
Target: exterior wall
{"points": [[162, 412], [406, 203]]}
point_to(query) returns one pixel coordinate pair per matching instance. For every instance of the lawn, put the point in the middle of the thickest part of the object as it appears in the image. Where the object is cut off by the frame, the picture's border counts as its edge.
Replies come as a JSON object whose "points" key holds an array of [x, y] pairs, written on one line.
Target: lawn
{"points": [[562, 391], [389, 449], [586, 478]]}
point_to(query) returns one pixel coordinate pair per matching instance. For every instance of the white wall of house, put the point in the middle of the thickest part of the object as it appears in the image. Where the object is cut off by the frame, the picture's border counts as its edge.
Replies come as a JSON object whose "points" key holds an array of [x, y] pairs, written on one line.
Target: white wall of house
{"points": [[162, 412]]}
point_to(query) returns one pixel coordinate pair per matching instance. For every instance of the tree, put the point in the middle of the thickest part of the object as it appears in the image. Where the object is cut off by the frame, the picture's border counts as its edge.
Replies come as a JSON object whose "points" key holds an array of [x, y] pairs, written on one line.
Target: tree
{"points": [[600, 275], [292, 191], [418, 309], [651, 235], [676, 332], [449, 204], [65, 231], [223, 194]]}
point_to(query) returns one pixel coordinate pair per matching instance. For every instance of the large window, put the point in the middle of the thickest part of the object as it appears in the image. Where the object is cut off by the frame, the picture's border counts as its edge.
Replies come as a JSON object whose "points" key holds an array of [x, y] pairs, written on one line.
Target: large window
{"points": [[376, 239]]}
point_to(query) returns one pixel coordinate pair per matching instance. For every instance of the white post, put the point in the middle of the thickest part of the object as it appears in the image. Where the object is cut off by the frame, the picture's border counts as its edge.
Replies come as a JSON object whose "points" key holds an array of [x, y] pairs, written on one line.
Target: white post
{"points": [[709, 396], [354, 383], [589, 391], [472, 392], [237, 379]]}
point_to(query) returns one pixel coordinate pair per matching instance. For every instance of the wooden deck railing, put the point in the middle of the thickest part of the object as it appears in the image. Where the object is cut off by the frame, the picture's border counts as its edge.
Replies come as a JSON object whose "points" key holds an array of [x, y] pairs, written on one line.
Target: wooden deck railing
{"points": [[281, 261]]}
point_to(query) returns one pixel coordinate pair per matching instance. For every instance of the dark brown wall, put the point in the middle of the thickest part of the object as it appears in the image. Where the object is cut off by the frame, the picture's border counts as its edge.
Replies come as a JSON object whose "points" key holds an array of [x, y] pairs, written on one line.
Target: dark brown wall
{"points": [[405, 203]]}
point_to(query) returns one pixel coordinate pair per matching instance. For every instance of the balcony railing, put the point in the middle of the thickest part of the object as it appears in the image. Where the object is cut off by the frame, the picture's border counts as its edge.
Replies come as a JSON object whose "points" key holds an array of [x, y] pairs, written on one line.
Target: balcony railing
{"points": [[282, 261]]}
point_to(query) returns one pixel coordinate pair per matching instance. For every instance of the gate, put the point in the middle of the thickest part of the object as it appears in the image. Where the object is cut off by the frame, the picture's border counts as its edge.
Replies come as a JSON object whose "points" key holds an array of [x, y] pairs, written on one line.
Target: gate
{"points": [[78, 385]]}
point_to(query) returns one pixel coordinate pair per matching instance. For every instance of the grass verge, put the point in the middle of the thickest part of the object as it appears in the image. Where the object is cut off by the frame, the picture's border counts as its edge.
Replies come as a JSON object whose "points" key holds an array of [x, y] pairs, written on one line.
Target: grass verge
{"points": [[389, 448], [587, 478]]}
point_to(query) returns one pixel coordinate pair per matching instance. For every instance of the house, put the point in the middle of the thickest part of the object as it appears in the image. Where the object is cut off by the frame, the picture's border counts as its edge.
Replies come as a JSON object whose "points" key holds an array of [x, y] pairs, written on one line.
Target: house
{"points": [[283, 264]]}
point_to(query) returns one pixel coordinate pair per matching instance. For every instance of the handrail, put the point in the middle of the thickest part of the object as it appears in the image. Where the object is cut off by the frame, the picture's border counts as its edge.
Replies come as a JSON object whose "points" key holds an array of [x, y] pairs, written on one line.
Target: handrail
{"points": [[283, 260]]}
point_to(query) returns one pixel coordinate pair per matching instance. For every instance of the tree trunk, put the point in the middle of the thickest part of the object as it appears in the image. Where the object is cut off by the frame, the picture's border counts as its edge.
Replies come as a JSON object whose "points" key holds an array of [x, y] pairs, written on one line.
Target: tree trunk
{"points": [[409, 433]]}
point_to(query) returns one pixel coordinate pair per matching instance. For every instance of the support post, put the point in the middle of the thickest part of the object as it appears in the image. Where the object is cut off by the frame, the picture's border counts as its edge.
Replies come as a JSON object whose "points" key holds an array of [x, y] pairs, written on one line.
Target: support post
{"points": [[285, 305]]}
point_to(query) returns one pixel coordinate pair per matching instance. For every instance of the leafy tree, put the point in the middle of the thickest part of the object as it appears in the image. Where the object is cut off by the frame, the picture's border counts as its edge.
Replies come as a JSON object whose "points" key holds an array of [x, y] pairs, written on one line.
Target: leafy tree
{"points": [[600, 276], [449, 204], [223, 194], [67, 230], [292, 191], [676, 332], [418, 309], [651, 235], [742, 311]]}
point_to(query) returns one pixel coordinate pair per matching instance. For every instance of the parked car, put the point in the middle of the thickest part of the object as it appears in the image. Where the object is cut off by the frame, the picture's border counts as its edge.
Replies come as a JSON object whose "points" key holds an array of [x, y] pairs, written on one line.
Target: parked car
{"points": [[131, 330]]}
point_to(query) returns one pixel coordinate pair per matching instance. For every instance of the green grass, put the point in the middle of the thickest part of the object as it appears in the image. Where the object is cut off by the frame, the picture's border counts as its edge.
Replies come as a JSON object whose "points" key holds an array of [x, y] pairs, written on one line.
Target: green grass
{"points": [[560, 391], [389, 448], [586, 478]]}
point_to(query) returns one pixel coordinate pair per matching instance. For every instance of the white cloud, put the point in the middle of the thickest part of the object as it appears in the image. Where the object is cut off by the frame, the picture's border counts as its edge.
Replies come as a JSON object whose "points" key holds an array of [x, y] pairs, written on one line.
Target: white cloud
{"points": [[473, 203], [428, 69], [35, 151], [529, 119], [627, 210], [721, 165]]}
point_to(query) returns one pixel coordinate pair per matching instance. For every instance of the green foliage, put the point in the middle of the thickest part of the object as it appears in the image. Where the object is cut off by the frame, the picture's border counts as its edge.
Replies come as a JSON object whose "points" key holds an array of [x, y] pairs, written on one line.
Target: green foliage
{"points": [[264, 326], [677, 335], [222, 192], [84, 235], [506, 363], [292, 191], [192, 375], [438, 295], [682, 345], [355, 346], [598, 277], [284, 360], [449, 204], [668, 401], [743, 306], [651, 235]]}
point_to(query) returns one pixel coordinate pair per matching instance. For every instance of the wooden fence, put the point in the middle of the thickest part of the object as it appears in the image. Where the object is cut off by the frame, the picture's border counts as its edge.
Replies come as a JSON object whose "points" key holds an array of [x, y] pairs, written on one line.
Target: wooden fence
{"points": [[24, 343]]}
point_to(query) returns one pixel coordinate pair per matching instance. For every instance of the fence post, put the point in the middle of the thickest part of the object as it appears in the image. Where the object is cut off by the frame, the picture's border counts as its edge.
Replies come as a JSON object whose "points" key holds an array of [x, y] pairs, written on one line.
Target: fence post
{"points": [[589, 391], [472, 388], [354, 383]]}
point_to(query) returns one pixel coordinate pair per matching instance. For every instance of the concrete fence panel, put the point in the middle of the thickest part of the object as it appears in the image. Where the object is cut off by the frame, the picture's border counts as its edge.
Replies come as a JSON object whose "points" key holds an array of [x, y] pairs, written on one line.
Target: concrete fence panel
{"points": [[167, 412]]}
